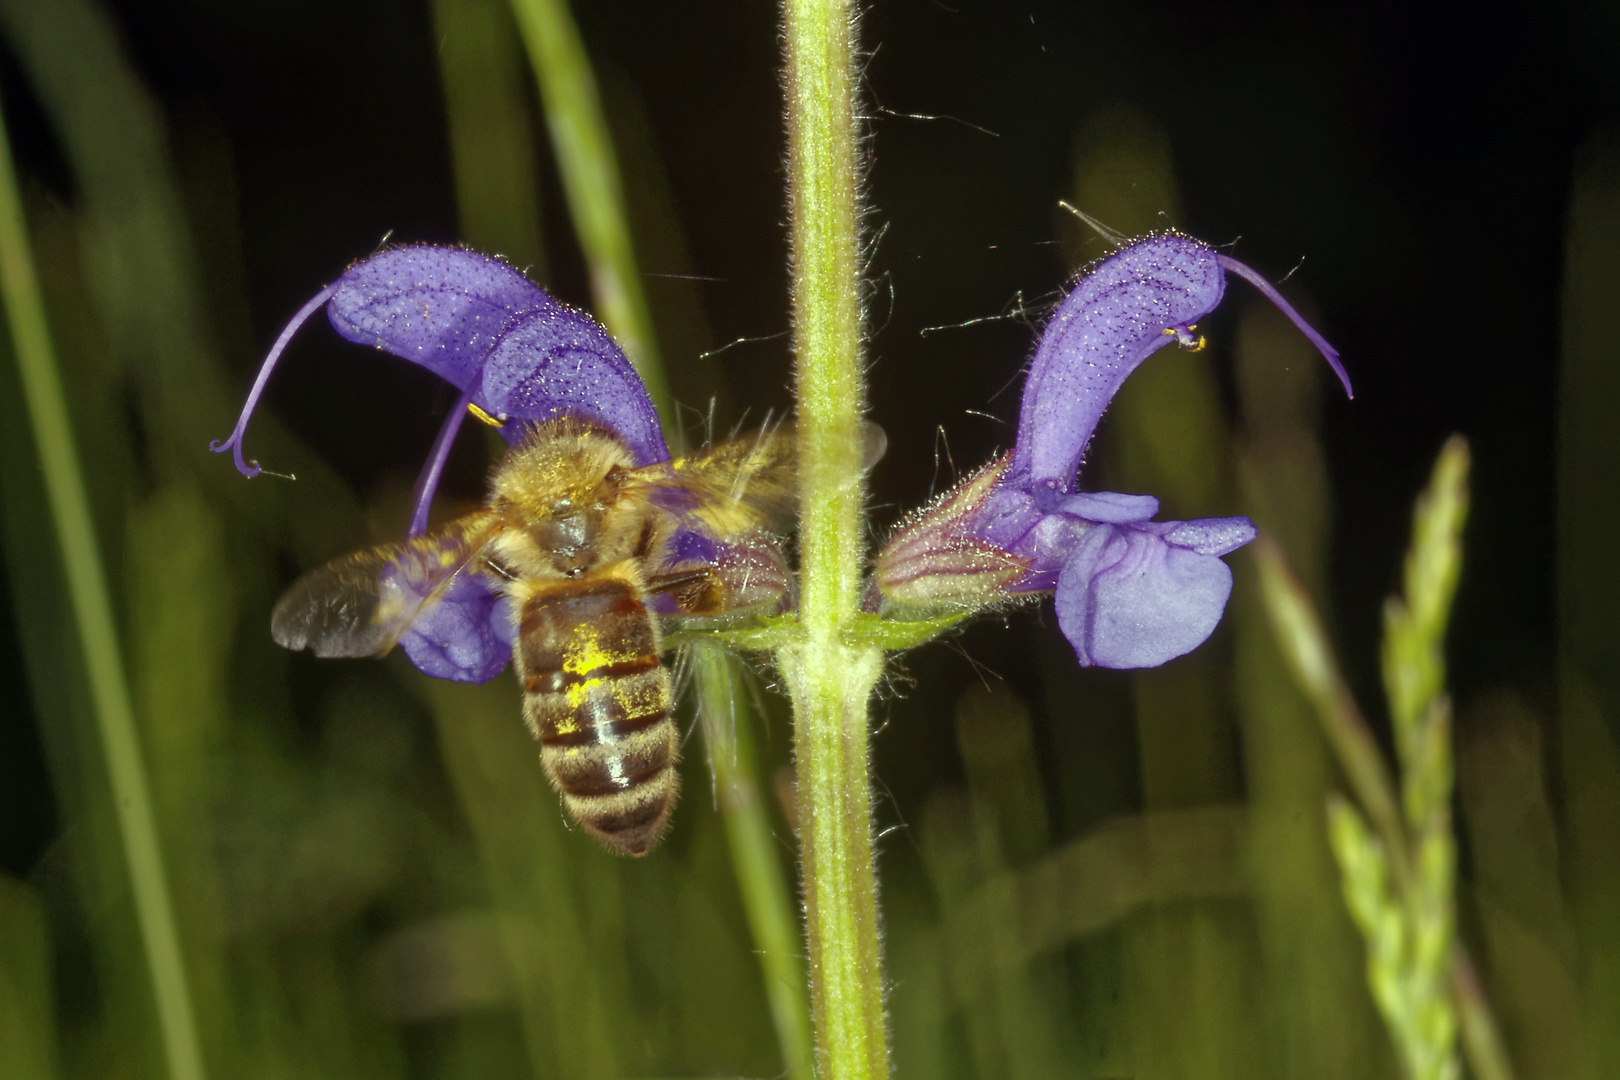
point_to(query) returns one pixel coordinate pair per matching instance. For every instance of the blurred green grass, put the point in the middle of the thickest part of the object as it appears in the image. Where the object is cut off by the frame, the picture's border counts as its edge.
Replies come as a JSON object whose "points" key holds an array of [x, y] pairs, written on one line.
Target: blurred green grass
{"points": [[372, 879]]}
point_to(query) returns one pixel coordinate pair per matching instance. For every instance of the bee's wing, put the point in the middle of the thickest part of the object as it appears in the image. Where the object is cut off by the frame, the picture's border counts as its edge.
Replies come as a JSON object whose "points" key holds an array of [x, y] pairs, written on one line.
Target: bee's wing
{"points": [[360, 604], [745, 483]]}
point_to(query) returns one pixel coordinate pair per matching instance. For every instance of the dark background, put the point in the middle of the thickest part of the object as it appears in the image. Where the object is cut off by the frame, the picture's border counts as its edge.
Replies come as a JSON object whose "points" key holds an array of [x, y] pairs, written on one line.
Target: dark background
{"points": [[1413, 161]]}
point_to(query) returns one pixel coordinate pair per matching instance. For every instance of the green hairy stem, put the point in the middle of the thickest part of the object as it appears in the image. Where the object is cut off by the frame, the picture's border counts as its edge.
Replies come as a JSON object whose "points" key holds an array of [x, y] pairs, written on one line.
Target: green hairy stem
{"points": [[829, 672]]}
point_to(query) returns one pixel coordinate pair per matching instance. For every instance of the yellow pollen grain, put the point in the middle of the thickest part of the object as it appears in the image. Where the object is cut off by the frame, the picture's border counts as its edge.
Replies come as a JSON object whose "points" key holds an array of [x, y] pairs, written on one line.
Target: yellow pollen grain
{"points": [[587, 654], [629, 702], [577, 694]]}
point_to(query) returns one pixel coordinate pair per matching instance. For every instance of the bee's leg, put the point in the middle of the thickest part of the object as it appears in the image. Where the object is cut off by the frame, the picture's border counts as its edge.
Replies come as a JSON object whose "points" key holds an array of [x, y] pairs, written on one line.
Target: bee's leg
{"points": [[696, 591]]}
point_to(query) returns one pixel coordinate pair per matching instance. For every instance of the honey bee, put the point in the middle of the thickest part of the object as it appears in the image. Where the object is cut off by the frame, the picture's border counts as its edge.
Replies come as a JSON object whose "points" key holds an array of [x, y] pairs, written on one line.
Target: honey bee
{"points": [[581, 542]]}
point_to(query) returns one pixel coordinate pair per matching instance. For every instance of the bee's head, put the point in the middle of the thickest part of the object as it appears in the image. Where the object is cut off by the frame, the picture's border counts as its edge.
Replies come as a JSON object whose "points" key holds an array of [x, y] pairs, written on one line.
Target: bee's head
{"points": [[564, 488]]}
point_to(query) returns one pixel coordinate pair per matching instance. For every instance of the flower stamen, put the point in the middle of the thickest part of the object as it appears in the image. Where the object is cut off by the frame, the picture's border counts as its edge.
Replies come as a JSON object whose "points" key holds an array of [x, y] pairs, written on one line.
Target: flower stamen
{"points": [[428, 482], [250, 469], [1255, 278]]}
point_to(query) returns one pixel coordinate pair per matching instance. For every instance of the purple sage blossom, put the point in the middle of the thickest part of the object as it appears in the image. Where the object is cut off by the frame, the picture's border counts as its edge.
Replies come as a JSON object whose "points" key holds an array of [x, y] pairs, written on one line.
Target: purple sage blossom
{"points": [[1130, 592], [518, 357]]}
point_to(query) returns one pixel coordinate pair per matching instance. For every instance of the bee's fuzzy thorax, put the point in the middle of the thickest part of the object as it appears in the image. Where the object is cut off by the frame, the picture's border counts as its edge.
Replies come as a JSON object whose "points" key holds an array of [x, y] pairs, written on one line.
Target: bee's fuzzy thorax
{"points": [[567, 495], [562, 459]]}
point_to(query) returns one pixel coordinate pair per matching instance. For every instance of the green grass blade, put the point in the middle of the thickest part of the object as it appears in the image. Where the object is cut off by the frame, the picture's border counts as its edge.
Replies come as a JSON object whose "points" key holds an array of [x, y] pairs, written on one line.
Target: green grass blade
{"points": [[1303, 642], [27, 1021], [1414, 680], [1588, 487], [1414, 638], [565, 997], [1424, 983], [755, 853], [491, 148], [590, 175], [92, 607], [1091, 884], [1322, 1023], [1481, 1038]]}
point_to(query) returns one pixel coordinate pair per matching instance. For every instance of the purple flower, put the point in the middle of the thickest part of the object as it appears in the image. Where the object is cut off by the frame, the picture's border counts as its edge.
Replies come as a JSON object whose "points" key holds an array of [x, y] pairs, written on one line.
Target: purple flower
{"points": [[1130, 592], [518, 357], [479, 324]]}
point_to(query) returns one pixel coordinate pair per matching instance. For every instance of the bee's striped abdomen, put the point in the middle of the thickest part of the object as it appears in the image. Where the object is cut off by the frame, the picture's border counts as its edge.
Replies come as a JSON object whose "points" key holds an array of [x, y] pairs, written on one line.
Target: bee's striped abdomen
{"points": [[598, 699]]}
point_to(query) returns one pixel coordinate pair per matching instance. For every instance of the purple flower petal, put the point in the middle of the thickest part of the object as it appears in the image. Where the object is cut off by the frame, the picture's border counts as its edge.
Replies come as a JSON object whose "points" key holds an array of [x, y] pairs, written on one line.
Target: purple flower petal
{"points": [[482, 326], [519, 357], [466, 637], [1124, 309], [470, 318], [559, 361], [1110, 506], [442, 307], [999, 513], [1127, 598], [1211, 536]]}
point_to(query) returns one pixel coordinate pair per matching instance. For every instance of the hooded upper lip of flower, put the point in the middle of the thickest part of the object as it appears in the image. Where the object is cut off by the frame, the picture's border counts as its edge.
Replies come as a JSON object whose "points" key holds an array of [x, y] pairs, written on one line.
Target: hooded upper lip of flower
{"points": [[1130, 592], [518, 356], [479, 324]]}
